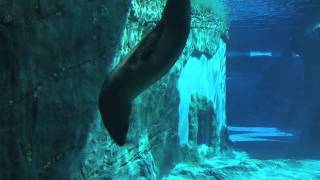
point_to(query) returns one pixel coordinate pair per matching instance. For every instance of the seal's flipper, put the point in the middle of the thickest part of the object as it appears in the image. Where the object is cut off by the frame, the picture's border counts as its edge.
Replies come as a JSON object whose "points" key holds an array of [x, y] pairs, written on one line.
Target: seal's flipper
{"points": [[115, 115]]}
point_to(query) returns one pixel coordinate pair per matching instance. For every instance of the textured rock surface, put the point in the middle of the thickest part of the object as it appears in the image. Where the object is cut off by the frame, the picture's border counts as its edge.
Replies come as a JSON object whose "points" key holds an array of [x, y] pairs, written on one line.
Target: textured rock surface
{"points": [[54, 56], [152, 147]]}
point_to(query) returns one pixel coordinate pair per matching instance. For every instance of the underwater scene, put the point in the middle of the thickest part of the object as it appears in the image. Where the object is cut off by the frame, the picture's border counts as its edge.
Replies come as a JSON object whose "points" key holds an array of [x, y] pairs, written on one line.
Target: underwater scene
{"points": [[160, 89]]}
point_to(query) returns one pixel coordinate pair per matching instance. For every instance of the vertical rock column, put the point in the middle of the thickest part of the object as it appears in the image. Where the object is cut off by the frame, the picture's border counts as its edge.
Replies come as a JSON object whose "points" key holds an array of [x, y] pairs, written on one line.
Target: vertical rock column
{"points": [[54, 56], [311, 133], [312, 83], [306, 43], [202, 121]]}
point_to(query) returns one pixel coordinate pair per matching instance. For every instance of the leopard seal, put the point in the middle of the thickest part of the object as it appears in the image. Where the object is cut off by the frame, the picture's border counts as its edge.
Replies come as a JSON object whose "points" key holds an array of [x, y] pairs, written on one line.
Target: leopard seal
{"points": [[151, 59]]}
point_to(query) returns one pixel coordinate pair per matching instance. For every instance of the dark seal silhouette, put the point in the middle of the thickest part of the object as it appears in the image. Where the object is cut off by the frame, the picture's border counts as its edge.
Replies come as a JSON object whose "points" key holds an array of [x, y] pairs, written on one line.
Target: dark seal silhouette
{"points": [[151, 59]]}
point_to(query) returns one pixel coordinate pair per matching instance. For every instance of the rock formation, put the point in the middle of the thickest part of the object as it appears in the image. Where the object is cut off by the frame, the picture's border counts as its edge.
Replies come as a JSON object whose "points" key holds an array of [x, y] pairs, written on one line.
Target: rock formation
{"points": [[54, 56]]}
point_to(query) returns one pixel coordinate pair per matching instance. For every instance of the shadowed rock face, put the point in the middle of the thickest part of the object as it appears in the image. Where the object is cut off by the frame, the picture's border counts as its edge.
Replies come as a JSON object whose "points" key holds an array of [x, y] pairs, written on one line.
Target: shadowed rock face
{"points": [[202, 121], [307, 44], [53, 57], [146, 64]]}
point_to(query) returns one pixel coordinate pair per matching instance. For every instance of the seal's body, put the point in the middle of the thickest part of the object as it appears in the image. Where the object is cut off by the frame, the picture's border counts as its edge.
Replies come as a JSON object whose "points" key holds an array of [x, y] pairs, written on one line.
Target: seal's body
{"points": [[151, 59]]}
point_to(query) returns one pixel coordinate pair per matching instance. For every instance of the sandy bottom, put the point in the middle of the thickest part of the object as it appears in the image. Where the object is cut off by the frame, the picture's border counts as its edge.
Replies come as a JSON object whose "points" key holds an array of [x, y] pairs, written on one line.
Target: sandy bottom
{"points": [[240, 166]]}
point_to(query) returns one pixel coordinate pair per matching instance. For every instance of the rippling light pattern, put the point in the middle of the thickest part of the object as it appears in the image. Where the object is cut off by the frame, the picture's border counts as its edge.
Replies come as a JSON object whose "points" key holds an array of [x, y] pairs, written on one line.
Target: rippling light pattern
{"points": [[259, 53], [244, 10], [254, 134]]}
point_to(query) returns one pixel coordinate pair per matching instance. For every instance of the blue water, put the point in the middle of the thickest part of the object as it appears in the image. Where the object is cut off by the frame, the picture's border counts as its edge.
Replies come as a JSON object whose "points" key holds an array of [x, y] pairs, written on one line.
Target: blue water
{"points": [[267, 24], [266, 76], [267, 13]]}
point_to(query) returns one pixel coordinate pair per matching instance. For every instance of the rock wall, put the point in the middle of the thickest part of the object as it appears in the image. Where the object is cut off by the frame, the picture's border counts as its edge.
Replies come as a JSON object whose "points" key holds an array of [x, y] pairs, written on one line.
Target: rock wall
{"points": [[306, 43], [152, 147], [54, 57]]}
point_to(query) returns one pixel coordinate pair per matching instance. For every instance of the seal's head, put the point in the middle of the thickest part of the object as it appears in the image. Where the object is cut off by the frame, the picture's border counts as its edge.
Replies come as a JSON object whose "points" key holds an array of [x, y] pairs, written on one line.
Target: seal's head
{"points": [[115, 114]]}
